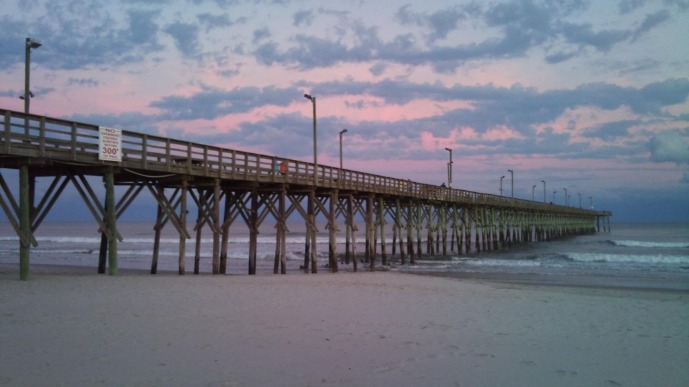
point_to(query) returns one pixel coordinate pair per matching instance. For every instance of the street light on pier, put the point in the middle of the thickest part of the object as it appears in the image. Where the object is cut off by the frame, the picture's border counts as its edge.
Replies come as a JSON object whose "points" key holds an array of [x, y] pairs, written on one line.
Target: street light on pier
{"points": [[512, 178], [30, 43], [566, 196], [449, 169], [501, 177], [554, 192], [544, 198], [315, 142], [533, 190], [343, 131]]}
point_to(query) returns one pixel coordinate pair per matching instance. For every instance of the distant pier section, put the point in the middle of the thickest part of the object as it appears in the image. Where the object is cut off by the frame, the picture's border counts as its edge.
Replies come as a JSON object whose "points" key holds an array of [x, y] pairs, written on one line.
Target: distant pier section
{"points": [[197, 186]]}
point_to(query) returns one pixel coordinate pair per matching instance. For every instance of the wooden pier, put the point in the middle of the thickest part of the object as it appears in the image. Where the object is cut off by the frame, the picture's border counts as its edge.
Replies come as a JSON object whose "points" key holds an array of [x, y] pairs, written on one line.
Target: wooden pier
{"points": [[226, 186]]}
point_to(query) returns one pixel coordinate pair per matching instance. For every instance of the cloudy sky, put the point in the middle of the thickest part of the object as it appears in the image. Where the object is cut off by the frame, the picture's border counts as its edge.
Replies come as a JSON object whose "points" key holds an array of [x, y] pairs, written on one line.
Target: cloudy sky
{"points": [[587, 95]]}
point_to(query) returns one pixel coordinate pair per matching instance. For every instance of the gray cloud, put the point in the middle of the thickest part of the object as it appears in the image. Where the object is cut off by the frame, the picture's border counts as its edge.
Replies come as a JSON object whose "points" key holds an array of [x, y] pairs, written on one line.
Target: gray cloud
{"points": [[211, 21], [672, 146], [611, 130], [520, 26], [71, 41], [515, 27], [303, 18], [213, 103], [186, 37], [518, 108]]}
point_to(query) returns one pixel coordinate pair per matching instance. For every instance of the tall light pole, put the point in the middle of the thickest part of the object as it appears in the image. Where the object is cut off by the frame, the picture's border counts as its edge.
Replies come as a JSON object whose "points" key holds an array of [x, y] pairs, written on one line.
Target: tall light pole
{"points": [[566, 196], [315, 142], [533, 190], [343, 131], [30, 43], [449, 169], [591, 201], [554, 192], [24, 185], [512, 177], [544, 199], [501, 177]]}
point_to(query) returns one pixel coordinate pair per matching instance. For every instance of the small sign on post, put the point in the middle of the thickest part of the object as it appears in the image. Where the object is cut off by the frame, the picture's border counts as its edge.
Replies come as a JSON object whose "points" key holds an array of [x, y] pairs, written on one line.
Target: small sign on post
{"points": [[109, 144]]}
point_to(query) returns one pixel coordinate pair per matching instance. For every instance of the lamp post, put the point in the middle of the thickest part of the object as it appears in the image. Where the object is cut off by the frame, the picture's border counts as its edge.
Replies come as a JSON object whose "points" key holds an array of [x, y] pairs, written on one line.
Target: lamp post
{"points": [[533, 190], [566, 196], [343, 131], [449, 169], [544, 199], [554, 192], [315, 142], [591, 201], [30, 43], [501, 177], [512, 178], [24, 178]]}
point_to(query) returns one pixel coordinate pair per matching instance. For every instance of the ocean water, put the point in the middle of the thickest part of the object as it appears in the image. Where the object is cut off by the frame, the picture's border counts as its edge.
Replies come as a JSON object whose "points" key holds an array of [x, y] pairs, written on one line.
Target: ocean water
{"points": [[636, 254], [654, 252]]}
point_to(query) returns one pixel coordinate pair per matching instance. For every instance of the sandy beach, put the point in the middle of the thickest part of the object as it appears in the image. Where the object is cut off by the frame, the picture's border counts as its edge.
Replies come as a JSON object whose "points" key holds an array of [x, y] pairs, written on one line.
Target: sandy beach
{"points": [[68, 326]]}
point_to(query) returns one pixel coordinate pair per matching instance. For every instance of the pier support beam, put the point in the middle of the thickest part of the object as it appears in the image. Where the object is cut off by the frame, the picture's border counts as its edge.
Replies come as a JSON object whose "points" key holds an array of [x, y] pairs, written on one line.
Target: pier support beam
{"points": [[332, 230], [111, 220], [183, 226], [24, 222], [253, 232], [381, 223], [281, 235]]}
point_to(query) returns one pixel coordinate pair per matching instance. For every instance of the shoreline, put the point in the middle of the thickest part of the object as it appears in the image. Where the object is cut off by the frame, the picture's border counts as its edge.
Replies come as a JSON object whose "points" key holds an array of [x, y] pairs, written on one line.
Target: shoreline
{"points": [[264, 268], [571, 281]]}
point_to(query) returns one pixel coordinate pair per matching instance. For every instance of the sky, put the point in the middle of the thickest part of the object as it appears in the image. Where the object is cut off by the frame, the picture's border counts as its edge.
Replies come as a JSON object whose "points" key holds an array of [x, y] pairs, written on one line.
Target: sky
{"points": [[588, 96]]}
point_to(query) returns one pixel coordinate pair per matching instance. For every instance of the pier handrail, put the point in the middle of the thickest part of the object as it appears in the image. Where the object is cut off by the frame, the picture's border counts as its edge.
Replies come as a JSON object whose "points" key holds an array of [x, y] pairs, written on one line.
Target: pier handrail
{"points": [[61, 140]]}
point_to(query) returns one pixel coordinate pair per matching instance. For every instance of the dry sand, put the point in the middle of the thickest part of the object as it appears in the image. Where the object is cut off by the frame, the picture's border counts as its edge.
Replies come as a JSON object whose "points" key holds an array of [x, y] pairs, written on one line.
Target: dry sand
{"points": [[67, 326]]}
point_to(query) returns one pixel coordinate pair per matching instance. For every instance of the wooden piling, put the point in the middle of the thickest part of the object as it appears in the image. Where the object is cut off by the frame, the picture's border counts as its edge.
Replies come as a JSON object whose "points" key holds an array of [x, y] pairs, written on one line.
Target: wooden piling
{"points": [[24, 222], [332, 230], [215, 226], [183, 224], [253, 232], [156, 239], [111, 216], [381, 223]]}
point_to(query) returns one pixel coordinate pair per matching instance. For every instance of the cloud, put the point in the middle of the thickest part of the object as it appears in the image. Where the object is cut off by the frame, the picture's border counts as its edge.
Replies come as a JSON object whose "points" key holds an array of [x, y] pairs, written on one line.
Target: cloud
{"points": [[211, 21], [583, 35], [440, 23], [73, 41], [514, 30], [186, 37], [627, 6], [303, 18], [261, 34], [87, 82], [671, 146], [516, 110], [651, 21], [611, 130], [213, 103]]}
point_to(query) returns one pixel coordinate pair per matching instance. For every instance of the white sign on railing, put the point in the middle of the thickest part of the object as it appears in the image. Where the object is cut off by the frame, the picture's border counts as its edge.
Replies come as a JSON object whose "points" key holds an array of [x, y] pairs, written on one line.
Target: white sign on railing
{"points": [[109, 144]]}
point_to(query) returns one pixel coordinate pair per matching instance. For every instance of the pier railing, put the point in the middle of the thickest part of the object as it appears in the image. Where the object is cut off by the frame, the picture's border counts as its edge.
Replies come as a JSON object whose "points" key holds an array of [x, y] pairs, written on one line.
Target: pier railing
{"points": [[55, 140]]}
